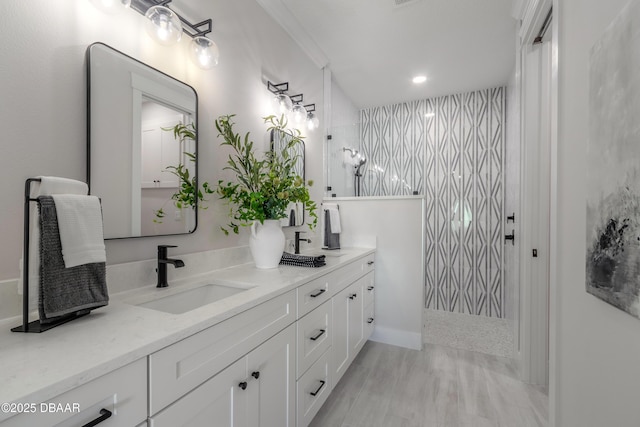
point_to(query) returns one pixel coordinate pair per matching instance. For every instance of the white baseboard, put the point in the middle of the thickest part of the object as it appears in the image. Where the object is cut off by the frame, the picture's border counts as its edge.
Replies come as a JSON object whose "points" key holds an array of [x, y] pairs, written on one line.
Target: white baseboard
{"points": [[397, 337]]}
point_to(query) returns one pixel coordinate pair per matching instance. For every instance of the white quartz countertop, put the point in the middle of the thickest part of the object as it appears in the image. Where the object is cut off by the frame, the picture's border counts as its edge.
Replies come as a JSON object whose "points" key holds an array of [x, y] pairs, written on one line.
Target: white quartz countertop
{"points": [[37, 367]]}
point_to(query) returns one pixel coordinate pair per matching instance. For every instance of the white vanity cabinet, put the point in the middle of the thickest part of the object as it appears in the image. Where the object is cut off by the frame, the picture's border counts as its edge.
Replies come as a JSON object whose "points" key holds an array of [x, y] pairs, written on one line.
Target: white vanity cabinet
{"points": [[256, 391], [178, 369], [123, 393], [332, 328], [351, 327]]}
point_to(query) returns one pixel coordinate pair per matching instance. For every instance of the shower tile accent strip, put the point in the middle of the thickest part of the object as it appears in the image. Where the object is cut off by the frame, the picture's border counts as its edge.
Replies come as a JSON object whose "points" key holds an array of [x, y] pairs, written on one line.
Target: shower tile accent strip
{"points": [[451, 149]]}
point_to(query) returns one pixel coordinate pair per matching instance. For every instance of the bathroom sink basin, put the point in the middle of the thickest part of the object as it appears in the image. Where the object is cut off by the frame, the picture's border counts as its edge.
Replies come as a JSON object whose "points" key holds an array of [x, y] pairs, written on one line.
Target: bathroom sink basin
{"points": [[191, 299]]}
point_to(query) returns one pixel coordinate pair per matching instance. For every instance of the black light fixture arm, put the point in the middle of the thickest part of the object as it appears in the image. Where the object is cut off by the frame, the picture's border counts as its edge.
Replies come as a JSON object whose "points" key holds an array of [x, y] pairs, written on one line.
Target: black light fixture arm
{"points": [[297, 99], [310, 107], [278, 88]]}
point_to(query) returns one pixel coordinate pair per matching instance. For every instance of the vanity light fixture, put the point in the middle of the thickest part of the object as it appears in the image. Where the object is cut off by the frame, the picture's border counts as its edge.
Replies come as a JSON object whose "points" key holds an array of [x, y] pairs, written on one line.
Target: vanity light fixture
{"points": [[285, 104], [282, 104], [298, 111], [166, 27], [312, 120]]}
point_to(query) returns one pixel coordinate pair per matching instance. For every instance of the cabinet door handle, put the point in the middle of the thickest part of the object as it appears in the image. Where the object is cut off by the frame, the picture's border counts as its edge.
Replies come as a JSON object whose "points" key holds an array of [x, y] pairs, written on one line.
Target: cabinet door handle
{"points": [[104, 414], [314, 393], [370, 263], [318, 293], [370, 288], [255, 374], [243, 385], [370, 320], [322, 331], [352, 296]]}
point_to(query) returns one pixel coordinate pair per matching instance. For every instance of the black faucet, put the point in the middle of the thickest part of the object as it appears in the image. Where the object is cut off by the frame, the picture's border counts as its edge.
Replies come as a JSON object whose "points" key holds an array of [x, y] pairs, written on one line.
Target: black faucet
{"points": [[162, 265], [298, 240]]}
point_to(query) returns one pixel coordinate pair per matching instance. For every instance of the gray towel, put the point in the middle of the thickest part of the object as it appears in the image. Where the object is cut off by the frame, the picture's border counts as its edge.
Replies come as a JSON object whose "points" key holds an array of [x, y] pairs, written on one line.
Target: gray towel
{"points": [[331, 240], [65, 291]]}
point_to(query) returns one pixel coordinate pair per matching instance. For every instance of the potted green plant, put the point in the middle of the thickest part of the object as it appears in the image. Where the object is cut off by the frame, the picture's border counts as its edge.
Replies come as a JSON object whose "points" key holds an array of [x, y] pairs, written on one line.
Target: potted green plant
{"points": [[263, 188]]}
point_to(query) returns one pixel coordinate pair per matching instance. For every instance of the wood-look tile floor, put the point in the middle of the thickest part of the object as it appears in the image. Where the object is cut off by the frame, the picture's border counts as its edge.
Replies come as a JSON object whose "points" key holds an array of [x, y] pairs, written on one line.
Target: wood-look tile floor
{"points": [[389, 386]]}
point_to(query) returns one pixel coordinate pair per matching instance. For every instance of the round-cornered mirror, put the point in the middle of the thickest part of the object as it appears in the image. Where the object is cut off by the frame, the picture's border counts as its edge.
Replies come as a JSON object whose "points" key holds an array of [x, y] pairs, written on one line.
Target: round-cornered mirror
{"points": [[142, 146]]}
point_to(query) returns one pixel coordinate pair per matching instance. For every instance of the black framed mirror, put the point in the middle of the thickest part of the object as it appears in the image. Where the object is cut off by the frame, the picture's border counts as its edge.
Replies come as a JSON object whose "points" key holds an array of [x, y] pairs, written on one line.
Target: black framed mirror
{"points": [[144, 172], [295, 211]]}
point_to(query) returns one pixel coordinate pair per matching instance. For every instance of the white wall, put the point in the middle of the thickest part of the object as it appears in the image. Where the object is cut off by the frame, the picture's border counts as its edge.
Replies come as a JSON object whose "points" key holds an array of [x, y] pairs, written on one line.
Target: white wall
{"points": [[597, 350], [397, 226], [43, 107]]}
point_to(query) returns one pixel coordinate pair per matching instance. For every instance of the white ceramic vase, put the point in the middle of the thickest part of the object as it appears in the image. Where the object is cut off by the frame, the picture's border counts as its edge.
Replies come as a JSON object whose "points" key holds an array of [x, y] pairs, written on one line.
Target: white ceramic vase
{"points": [[266, 243]]}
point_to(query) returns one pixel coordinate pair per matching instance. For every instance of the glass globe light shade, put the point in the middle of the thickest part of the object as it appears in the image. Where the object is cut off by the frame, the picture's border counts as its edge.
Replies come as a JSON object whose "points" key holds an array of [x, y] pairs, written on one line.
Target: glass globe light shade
{"points": [[204, 52], [282, 104], [163, 25], [298, 113], [111, 7], [312, 121]]}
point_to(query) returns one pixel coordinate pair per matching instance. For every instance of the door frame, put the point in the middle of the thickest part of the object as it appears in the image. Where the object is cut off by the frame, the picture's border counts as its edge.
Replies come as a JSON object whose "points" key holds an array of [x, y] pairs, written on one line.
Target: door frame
{"points": [[537, 320]]}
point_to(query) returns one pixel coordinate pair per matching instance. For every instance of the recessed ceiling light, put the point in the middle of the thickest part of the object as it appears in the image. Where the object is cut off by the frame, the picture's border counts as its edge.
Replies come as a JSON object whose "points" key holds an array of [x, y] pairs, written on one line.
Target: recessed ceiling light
{"points": [[419, 79]]}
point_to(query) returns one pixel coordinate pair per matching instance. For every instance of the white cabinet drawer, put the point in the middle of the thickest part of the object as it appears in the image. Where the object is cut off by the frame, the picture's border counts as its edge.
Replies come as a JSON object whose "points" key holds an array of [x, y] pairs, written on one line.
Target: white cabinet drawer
{"points": [[369, 321], [369, 288], [344, 276], [122, 392], [181, 367], [368, 263], [313, 389], [314, 293], [314, 336]]}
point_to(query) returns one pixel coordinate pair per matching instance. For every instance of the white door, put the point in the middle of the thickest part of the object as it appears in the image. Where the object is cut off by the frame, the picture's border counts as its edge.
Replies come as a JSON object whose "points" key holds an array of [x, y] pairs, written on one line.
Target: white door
{"points": [[272, 381], [219, 402], [340, 329], [356, 317]]}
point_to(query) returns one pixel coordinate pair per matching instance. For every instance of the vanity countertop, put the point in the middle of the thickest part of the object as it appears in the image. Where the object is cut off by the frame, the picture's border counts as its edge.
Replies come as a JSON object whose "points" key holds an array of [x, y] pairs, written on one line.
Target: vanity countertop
{"points": [[38, 367]]}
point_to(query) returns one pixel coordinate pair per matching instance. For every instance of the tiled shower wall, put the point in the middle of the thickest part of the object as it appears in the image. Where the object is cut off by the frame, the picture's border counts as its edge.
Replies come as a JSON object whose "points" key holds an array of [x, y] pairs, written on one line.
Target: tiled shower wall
{"points": [[450, 149]]}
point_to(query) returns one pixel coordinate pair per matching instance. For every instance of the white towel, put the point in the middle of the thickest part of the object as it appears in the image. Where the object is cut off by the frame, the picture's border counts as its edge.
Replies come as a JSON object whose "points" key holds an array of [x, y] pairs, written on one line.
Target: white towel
{"points": [[47, 186], [334, 217], [80, 224]]}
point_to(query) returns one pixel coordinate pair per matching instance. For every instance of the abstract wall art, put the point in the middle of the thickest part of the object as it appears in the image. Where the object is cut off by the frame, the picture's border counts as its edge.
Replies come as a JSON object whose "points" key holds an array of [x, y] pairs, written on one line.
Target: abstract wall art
{"points": [[613, 165]]}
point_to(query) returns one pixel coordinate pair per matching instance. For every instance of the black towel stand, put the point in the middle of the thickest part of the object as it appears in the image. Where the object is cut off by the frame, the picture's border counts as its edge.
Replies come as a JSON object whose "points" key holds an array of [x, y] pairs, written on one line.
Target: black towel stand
{"points": [[34, 326]]}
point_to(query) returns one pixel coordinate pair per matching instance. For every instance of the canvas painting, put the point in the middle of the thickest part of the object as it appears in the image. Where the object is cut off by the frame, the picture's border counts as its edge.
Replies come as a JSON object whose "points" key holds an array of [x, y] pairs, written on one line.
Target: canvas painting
{"points": [[613, 164]]}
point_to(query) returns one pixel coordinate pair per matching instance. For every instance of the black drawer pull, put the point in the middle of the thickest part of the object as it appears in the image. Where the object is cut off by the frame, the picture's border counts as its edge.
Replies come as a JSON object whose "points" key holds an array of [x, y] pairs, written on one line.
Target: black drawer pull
{"points": [[370, 288], [255, 374], [370, 320], [318, 293], [314, 393], [352, 296], [322, 331], [104, 414], [243, 385], [370, 263]]}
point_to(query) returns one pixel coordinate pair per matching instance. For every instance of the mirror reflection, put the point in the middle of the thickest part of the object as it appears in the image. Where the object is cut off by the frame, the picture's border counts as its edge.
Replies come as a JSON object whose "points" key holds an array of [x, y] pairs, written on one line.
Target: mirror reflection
{"points": [[279, 141], [142, 146]]}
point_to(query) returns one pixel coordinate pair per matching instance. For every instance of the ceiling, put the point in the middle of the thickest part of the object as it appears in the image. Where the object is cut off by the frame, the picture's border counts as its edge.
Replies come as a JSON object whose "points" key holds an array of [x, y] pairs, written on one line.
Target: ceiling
{"points": [[375, 47]]}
